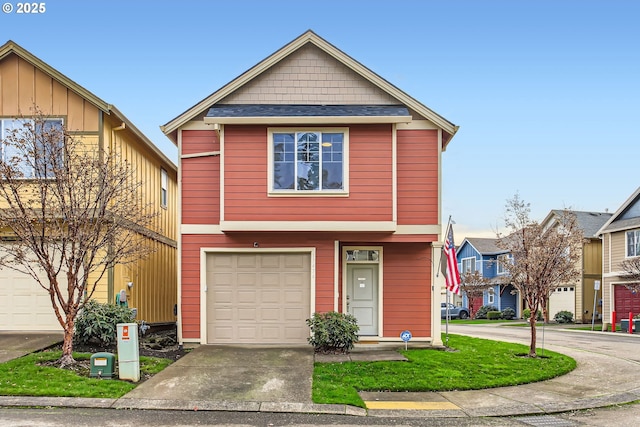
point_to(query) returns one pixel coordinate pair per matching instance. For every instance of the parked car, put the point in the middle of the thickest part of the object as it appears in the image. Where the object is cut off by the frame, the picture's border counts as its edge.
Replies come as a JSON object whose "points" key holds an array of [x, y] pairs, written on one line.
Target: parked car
{"points": [[455, 312]]}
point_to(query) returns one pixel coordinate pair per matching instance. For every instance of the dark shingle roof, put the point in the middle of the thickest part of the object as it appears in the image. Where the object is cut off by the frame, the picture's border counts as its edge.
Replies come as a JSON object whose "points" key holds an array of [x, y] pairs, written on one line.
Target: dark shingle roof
{"points": [[284, 110]]}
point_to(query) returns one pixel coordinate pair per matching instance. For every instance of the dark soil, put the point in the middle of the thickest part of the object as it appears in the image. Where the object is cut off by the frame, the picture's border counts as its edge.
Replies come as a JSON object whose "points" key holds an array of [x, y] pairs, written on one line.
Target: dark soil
{"points": [[156, 342]]}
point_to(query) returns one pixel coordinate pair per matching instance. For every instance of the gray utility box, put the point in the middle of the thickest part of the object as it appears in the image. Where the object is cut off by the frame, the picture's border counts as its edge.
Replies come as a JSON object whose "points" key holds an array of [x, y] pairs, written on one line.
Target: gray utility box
{"points": [[103, 365]]}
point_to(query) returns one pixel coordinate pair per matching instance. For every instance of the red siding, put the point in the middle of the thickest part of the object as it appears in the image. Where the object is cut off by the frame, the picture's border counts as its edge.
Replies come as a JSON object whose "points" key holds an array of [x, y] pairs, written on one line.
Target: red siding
{"points": [[370, 180], [417, 177], [407, 289], [200, 177]]}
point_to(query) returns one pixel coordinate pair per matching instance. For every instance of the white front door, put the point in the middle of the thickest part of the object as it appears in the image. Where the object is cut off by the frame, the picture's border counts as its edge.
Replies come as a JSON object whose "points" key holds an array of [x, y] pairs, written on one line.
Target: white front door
{"points": [[362, 296]]}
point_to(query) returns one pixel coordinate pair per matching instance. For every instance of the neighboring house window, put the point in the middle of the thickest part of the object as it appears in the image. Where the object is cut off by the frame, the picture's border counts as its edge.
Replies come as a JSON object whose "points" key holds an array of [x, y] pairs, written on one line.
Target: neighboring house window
{"points": [[468, 265], [164, 195], [502, 261], [633, 243], [308, 161], [38, 166], [491, 298]]}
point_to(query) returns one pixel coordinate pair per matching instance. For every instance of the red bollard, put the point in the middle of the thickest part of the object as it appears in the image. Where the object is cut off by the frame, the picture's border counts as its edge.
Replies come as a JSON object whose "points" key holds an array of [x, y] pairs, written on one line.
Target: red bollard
{"points": [[613, 321], [630, 322]]}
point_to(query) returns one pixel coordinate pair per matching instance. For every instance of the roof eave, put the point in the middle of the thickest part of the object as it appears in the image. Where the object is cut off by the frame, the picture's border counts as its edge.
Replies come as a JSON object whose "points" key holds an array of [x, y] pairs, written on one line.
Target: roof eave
{"points": [[307, 120], [621, 209], [310, 37], [13, 47]]}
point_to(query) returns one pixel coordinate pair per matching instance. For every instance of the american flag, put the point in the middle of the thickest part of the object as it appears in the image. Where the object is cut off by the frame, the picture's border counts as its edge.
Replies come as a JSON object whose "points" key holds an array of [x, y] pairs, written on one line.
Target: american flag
{"points": [[452, 275]]}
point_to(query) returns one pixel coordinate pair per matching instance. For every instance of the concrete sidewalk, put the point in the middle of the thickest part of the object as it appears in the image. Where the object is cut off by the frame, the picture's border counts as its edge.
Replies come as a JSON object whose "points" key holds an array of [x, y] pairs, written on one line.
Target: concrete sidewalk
{"points": [[221, 379]]}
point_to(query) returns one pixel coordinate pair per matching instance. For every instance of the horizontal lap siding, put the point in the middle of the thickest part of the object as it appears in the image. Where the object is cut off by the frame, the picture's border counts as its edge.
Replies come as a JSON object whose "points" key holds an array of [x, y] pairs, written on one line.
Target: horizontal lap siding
{"points": [[200, 178], [246, 180], [407, 289], [190, 273], [417, 177]]}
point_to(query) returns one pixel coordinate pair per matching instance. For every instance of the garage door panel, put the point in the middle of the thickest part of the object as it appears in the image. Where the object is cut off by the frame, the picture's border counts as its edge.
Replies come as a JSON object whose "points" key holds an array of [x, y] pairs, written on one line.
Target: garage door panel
{"points": [[247, 297], [270, 314], [223, 314], [270, 262], [247, 261], [246, 314], [268, 295], [24, 304]]}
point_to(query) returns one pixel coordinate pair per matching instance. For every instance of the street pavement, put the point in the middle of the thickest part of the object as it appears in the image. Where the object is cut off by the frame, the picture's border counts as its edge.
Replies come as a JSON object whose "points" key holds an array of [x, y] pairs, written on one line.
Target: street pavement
{"points": [[275, 379]]}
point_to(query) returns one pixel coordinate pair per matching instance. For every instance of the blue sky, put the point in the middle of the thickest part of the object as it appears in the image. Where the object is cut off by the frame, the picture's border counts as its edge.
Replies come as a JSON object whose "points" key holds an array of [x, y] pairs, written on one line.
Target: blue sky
{"points": [[546, 93]]}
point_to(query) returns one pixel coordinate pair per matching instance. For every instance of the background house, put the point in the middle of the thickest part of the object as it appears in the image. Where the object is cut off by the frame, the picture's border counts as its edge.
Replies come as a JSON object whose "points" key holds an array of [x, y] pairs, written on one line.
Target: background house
{"points": [[578, 297], [308, 184], [25, 82], [483, 255], [620, 241]]}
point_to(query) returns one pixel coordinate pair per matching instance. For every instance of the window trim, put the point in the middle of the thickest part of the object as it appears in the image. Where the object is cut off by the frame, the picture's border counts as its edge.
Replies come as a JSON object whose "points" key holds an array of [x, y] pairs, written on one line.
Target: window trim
{"points": [[344, 192], [500, 261], [626, 242], [164, 188], [462, 269], [32, 177]]}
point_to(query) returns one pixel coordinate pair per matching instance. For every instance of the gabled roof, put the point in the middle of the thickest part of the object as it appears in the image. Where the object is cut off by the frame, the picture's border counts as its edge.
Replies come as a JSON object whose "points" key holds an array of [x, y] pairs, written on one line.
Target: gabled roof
{"points": [[11, 47], [616, 222], [485, 246], [588, 222], [170, 128]]}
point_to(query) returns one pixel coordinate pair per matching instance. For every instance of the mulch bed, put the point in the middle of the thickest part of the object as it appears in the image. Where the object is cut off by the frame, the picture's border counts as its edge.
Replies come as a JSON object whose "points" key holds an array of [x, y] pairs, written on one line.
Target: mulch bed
{"points": [[155, 343]]}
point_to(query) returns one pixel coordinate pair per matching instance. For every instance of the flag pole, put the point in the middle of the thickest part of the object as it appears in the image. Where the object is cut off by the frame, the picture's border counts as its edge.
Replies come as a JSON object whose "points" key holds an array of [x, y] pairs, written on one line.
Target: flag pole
{"points": [[446, 312]]}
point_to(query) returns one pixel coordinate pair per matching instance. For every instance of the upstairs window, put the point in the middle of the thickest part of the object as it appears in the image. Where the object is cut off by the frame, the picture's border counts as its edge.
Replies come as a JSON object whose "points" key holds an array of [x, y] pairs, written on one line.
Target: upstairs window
{"points": [[42, 148], [633, 243], [468, 265], [164, 192], [307, 162], [502, 263]]}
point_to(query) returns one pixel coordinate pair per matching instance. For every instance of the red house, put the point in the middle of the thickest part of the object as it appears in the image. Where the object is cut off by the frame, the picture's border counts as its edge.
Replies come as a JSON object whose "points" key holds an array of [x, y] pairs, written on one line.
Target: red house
{"points": [[308, 184]]}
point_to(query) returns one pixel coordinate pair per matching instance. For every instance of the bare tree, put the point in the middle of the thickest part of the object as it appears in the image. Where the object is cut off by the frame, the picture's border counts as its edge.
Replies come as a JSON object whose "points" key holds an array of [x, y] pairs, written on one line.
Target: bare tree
{"points": [[74, 211], [474, 285], [543, 258], [631, 271]]}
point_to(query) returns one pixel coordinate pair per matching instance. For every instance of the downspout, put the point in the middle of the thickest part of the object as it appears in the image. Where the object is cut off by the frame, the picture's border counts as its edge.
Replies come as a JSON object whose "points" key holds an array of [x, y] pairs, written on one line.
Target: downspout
{"points": [[110, 270]]}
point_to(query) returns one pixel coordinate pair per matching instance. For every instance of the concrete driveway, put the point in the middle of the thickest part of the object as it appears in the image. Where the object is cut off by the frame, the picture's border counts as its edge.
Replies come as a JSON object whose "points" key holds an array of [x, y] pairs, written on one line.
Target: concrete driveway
{"points": [[234, 374], [18, 344]]}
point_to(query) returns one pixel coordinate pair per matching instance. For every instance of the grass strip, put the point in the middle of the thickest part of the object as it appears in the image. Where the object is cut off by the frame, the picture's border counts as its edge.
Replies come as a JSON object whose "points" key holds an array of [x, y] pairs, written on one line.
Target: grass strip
{"points": [[470, 364], [29, 376]]}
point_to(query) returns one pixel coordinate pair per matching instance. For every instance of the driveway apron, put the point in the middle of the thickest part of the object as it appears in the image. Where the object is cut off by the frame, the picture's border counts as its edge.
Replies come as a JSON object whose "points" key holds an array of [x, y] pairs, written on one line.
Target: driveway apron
{"points": [[234, 373], [18, 344]]}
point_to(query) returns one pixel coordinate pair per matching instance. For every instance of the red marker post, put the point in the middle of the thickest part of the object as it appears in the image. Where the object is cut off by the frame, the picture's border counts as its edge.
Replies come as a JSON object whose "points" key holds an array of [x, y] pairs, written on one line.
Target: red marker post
{"points": [[630, 322], [613, 321]]}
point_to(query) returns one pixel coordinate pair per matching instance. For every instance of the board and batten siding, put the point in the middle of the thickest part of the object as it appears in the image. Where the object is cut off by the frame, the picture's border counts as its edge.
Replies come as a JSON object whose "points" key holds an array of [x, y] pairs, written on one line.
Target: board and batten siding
{"points": [[246, 180], [417, 177], [22, 85]]}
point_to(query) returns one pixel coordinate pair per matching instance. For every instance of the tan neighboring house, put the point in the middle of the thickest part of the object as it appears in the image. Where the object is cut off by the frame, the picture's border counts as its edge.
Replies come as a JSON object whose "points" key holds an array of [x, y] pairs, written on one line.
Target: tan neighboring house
{"points": [[150, 284], [578, 297], [620, 241]]}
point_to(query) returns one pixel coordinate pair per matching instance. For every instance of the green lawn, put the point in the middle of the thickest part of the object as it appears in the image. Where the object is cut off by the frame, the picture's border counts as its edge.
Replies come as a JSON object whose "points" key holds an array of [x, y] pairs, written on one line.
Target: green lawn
{"points": [[474, 364], [27, 376]]}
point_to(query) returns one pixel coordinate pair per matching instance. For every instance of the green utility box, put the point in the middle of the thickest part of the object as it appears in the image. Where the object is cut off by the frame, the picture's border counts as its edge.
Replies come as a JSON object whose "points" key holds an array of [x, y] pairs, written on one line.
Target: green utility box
{"points": [[103, 365]]}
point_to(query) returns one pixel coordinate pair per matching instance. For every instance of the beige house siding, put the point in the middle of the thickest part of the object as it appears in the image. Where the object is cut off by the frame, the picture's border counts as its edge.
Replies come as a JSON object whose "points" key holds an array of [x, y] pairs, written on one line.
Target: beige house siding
{"points": [[309, 76]]}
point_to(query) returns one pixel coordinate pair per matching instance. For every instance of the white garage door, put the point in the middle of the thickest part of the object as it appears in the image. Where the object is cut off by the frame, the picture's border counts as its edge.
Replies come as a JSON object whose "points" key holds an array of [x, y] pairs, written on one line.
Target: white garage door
{"points": [[258, 298], [562, 299], [24, 305]]}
